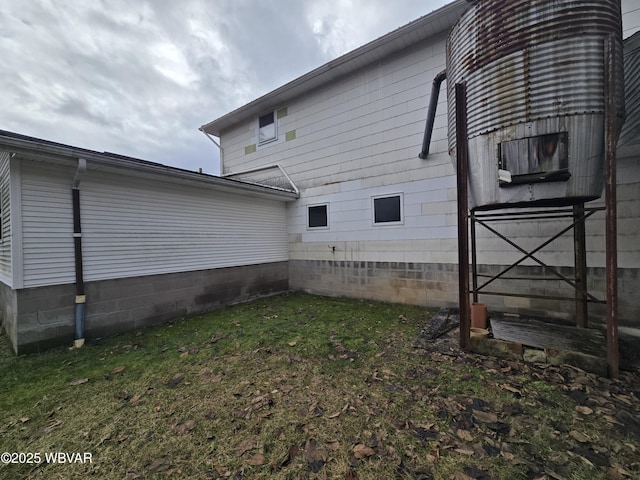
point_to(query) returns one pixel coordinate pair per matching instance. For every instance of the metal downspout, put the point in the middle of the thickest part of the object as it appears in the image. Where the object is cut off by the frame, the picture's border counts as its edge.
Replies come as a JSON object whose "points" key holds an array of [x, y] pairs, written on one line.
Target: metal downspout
{"points": [[431, 113], [77, 246]]}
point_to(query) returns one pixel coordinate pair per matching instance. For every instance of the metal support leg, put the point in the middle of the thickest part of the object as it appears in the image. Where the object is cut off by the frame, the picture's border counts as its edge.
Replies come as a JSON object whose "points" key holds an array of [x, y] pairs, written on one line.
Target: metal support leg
{"points": [[580, 255], [463, 215], [611, 237]]}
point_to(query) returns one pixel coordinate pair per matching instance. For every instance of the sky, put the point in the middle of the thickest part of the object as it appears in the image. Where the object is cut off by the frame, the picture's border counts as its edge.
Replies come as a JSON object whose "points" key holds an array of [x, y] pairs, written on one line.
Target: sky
{"points": [[139, 78]]}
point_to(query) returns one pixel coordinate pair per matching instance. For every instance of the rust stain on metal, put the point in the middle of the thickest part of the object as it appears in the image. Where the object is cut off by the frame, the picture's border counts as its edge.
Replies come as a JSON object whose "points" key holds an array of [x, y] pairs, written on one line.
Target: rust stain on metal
{"points": [[534, 68]]}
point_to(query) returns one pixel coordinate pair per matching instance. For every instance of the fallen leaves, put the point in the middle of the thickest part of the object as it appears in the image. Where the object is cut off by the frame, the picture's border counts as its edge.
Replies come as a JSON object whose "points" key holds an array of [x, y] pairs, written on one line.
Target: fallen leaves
{"points": [[584, 410], [79, 381], [315, 455], [246, 446], [579, 436], [184, 428], [485, 417], [256, 460], [52, 425], [277, 411], [465, 435], [337, 414], [362, 451], [175, 380], [161, 464]]}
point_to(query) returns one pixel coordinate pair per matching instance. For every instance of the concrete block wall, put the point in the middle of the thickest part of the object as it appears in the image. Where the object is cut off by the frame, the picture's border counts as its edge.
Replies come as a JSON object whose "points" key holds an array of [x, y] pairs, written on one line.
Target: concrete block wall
{"points": [[45, 316], [436, 285], [403, 282], [7, 309]]}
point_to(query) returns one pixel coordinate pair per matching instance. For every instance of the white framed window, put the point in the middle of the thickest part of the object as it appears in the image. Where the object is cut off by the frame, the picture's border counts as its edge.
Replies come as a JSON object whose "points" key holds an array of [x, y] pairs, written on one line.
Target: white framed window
{"points": [[387, 209], [267, 131], [318, 216]]}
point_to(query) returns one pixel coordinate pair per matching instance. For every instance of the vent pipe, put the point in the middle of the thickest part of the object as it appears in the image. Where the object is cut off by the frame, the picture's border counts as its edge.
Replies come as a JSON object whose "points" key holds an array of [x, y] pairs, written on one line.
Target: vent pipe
{"points": [[431, 113]]}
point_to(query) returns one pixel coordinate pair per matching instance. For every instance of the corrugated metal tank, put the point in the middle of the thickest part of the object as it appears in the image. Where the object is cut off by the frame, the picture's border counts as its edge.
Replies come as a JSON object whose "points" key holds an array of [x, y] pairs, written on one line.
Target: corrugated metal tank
{"points": [[535, 74]]}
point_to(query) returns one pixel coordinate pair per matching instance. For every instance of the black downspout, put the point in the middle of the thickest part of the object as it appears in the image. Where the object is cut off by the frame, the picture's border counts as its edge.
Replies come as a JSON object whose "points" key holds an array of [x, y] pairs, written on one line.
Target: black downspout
{"points": [[431, 113], [77, 247]]}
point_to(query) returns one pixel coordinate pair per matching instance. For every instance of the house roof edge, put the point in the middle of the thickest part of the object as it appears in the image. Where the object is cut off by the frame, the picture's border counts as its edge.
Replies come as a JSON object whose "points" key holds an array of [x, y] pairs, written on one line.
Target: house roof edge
{"points": [[24, 145], [438, 21]]}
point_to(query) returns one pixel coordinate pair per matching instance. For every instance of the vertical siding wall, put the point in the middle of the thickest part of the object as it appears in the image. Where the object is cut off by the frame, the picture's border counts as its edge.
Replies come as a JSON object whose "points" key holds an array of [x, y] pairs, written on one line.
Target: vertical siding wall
{"points": [[135, 226], [5, 220], [47, 224]]}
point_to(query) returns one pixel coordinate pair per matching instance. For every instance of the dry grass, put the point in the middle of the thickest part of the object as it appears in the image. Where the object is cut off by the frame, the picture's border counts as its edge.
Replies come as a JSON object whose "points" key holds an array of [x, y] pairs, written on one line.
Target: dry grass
{"points": [[300, 387]]}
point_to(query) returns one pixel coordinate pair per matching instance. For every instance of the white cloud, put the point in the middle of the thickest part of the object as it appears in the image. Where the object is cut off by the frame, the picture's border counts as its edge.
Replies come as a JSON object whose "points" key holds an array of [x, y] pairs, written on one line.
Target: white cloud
{"points": [[139, 78]]}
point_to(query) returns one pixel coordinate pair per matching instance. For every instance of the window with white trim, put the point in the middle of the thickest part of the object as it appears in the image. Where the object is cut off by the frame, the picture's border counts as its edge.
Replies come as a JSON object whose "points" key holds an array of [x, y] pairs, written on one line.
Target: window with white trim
{"points": [[267, 131], [387, 209], [318, 216]]}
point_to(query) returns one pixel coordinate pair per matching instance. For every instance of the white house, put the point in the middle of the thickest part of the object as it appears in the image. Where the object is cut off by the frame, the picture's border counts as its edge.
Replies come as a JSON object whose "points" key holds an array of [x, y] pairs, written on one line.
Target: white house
{"points": [[374, 220], [157, 242]]}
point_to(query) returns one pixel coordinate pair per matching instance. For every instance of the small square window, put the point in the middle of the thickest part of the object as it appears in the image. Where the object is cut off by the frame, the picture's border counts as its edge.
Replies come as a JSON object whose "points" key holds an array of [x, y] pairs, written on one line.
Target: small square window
{"points": [[318, 216], [266, 128], [387, 209]]}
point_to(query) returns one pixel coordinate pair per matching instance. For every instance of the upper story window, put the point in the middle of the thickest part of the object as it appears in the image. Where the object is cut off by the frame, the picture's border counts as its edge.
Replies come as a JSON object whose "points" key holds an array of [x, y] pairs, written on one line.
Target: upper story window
{"points": [[267, 128]]}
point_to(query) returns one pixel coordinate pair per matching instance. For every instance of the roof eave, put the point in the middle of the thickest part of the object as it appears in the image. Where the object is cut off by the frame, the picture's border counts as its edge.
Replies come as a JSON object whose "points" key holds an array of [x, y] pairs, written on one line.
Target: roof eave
{"points": [[429, 25], [31, 147]]}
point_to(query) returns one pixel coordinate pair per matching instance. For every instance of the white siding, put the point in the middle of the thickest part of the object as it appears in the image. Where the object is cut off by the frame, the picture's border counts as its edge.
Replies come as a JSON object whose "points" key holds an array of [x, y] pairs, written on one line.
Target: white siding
{"points": [[5, 219], [155, 227], [135, 226], [351, 215], [47, 225], [369, 126]]}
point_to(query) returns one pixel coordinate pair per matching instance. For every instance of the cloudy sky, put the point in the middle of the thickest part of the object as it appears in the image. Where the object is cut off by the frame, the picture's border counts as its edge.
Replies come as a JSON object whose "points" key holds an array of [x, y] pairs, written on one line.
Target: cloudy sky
{"points": [[139, 78]]}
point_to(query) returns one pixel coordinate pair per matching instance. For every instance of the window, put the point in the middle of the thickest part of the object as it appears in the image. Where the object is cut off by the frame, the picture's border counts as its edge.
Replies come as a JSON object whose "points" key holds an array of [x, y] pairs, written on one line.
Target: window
{"points": [[387, 209], [267, 128], [535, 159], [317, 216]]}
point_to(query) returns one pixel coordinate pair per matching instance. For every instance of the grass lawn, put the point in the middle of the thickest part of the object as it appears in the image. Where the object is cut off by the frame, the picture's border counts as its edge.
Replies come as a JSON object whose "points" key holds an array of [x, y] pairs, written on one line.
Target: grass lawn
{"points": [[303, 387]]}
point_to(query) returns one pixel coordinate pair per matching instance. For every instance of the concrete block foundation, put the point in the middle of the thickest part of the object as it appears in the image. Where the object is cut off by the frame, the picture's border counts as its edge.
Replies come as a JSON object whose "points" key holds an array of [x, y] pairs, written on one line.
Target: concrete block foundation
{"points": [[38, 318], [436, 285]]}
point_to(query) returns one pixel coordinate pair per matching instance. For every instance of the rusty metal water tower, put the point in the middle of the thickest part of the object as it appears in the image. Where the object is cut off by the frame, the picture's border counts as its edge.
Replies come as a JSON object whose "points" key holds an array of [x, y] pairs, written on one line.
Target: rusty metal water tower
{"points": [[537, 111]]}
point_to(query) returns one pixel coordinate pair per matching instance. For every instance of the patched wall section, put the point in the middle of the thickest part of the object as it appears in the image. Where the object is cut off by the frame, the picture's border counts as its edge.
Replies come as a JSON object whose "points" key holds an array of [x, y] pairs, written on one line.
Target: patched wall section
{"points": [[45, 315]]}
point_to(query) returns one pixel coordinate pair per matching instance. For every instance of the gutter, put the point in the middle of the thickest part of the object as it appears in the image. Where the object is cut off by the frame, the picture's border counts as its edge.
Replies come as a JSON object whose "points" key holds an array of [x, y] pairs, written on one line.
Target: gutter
{"points": [[81, 298], [267, 167], [21, 144]]}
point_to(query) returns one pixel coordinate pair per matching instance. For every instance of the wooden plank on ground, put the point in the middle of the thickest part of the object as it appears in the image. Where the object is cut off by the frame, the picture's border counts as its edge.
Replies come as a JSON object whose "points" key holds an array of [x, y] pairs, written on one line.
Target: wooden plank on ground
{"points": [[535, 333]]}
